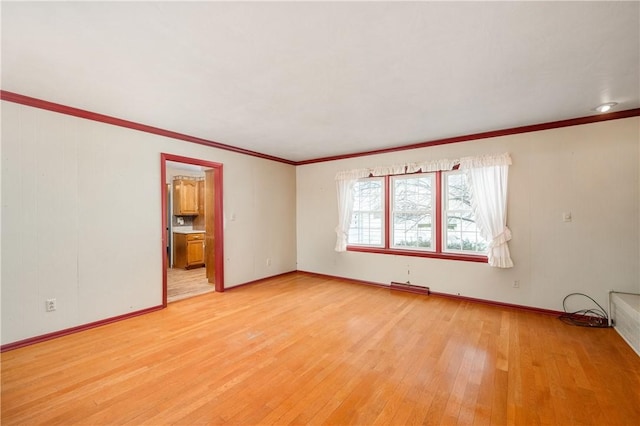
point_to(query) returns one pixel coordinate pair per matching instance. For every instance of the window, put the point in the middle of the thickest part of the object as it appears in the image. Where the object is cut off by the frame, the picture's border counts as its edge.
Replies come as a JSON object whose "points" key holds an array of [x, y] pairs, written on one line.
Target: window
{"points": [[461, 233], [367, 222], [421, 214], [412, 212]]}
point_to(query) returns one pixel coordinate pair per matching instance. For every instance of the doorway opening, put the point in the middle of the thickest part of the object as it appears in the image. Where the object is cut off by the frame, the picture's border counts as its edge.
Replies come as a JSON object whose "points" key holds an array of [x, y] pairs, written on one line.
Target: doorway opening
{"points": [[192, 227]]}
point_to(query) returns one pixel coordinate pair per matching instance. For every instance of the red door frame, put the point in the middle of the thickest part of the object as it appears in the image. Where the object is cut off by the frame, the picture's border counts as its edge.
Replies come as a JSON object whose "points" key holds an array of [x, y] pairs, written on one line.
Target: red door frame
{"points": [[218, 217]]}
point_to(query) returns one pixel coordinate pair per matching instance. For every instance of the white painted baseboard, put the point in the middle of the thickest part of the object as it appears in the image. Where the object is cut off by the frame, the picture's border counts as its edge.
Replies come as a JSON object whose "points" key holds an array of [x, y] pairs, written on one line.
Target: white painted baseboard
{"points": [[625, 311]]}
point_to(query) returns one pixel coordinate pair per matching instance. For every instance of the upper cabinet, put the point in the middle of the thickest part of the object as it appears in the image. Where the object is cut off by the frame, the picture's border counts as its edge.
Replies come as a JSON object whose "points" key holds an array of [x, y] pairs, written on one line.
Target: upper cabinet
{"points": [[186, 197], [199, 221]]}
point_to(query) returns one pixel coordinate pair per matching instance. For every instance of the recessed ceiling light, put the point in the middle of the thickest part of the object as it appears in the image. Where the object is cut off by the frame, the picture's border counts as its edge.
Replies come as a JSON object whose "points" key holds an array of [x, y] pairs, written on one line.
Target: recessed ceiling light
{"points": [[605, 107]]}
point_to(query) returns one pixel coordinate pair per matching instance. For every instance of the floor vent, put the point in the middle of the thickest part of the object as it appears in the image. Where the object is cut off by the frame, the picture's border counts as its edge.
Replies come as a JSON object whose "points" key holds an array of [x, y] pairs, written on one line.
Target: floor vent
{"points": [[410, 288]]}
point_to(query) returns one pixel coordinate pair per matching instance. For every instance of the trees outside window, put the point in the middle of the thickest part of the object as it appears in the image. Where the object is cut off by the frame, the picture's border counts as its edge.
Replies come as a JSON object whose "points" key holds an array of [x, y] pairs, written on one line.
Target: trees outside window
{"points": [[460, 233], [412, 211], [421, 214], [367, 222]]}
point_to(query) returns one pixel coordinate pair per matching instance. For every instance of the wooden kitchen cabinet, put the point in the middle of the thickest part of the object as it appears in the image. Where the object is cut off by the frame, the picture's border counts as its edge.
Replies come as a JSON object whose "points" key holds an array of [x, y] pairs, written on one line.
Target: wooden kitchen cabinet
{"points": [[199, 221], [189, 250], [185, 197]]}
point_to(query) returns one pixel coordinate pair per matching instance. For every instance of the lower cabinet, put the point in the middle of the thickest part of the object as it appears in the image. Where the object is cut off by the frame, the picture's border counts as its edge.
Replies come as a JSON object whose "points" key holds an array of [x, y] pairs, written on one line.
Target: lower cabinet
{"points": [[189, 250]]}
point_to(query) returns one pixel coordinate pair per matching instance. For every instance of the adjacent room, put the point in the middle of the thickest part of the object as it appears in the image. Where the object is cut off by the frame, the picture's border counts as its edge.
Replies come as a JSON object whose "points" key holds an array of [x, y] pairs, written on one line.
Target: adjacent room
{"points": [[320, 213], [190, 269]]}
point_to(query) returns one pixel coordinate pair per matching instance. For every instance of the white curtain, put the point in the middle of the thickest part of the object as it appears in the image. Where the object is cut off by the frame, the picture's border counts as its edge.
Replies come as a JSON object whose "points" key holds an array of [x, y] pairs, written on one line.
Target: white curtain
{"points": [[345, 182], [487, 178]]}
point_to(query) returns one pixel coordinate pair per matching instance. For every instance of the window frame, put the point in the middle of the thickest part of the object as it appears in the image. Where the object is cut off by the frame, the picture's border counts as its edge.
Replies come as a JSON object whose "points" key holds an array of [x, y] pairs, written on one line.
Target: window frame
{"points": [[438, 253], [392, 211], [382, 212], [445, 211]]}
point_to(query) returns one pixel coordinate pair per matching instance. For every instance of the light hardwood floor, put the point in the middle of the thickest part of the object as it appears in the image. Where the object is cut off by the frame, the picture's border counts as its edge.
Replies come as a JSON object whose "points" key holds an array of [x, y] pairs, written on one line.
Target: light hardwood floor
{"points": [[183, 283], [301, 349]]}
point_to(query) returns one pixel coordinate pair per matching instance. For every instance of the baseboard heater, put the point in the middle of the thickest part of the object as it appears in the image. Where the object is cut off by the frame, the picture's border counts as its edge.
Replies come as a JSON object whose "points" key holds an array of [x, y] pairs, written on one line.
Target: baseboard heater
{"points": [[410, 288]]}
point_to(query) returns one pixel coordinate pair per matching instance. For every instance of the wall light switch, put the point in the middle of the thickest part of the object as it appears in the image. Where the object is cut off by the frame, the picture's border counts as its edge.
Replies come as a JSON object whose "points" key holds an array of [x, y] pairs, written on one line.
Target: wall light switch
{"points": [[566, 216]]}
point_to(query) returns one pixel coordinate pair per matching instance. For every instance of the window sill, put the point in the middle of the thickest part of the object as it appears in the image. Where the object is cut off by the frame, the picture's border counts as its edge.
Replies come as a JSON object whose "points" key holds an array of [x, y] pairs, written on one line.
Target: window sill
{"points": [[416, 253]]}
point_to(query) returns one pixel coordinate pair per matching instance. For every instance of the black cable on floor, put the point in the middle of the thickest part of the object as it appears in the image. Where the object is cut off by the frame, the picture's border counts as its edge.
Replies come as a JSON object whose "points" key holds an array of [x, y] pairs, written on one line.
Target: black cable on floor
{"points": [[594, 317]]}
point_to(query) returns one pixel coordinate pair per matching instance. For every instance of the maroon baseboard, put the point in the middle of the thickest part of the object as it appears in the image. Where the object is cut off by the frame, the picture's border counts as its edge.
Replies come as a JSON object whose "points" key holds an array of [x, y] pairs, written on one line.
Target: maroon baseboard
{"points": [[394, 286], [407, 288], [349, 280], [67, 331], [498, 304], [258, 281]]}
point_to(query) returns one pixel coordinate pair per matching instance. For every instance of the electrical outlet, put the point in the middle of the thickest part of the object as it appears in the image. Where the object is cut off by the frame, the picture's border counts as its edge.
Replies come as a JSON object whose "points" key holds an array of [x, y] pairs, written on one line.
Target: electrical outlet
{"points": [[516, 284], [51, 305]]}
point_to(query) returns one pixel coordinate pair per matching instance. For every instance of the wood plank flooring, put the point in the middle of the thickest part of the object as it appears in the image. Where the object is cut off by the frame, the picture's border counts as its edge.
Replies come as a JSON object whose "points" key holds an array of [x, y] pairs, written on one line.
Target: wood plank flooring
{"points": [[183, 283], [301, 349]]}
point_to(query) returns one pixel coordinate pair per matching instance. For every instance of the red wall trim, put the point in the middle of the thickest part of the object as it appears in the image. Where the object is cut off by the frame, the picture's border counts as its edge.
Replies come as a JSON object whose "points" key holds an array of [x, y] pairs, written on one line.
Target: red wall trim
{"points": [[499, 304], [76, 112], [164, 203], [219, 229], [387, 212], [450, 296], [45, 337], [439, 213], [72, 330], [438, 223], [218, 217], [260, 280], [416, 253], [348, 280], [484, 135]]}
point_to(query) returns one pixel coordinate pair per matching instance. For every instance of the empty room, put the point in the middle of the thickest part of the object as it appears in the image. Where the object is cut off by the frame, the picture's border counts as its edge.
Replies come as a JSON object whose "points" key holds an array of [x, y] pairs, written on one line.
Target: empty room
{"points": [[337, 213]]}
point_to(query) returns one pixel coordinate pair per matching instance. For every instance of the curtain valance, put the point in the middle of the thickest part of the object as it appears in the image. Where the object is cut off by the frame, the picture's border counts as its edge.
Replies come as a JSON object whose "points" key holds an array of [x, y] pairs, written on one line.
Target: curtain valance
{"points": [[485, 161], [487, 176], [426, 166]]}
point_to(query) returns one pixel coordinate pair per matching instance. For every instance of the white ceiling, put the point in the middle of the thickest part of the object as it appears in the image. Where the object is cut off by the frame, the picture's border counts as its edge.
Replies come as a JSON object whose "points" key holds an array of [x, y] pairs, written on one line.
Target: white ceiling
{"points": [[306, 80]]}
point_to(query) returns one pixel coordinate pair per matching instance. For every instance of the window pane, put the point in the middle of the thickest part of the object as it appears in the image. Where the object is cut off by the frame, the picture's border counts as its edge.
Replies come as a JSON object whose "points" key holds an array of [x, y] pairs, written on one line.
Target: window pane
{"points": [[458, 195], [453, 242], [453, 223], [452, 232], [468, 222], [367, 222], [473, 242], [412, 193], [368, 195], [461, 232], [412, 212], [412, 230], [366, 228]]}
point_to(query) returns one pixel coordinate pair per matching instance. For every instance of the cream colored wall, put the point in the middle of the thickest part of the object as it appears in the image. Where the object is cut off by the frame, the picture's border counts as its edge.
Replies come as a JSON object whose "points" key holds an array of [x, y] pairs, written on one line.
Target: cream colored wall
{"points": [[81, 219], [67, 182], [590, 170]]}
